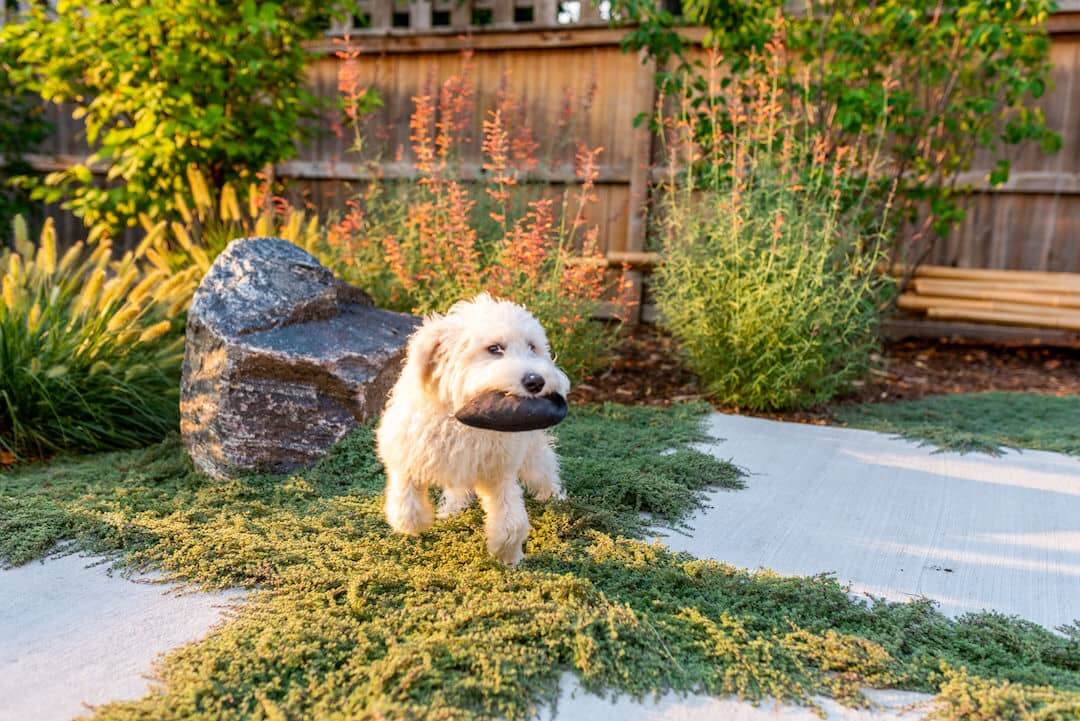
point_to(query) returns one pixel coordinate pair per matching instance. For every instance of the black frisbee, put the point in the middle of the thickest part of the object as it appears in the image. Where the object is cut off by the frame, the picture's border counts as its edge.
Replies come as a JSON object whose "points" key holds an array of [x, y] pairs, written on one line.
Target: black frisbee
{"points": [[497, 411]]}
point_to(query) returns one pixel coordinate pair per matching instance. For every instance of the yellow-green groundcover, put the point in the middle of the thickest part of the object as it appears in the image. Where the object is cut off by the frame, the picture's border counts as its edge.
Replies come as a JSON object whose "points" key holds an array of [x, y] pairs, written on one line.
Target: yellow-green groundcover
{"points": [[345, 620]]}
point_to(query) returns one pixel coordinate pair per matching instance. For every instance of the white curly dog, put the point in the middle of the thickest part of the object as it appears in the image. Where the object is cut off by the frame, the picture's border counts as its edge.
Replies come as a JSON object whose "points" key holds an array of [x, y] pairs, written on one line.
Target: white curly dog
{"points": [[478, 346]]}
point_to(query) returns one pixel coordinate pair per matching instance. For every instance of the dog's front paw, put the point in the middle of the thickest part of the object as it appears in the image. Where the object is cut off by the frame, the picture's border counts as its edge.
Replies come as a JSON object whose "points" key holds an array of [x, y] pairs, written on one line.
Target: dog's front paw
{"points": [[505, 542], [509, 553], [409, 513], [511, 556], [454, 502], [548, 491]]}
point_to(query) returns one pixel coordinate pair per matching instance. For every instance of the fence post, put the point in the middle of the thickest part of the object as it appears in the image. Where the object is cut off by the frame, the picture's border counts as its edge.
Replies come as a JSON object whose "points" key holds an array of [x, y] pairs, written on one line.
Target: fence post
{"points": [[637, 226], [546, 12], [590, 13], [503, 16], [381, 14], [461, 14], [419, 15]]}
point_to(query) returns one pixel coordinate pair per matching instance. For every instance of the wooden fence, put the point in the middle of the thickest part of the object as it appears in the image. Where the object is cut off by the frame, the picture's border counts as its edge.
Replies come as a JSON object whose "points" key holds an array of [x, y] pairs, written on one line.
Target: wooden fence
{"points": [[565, 64]]}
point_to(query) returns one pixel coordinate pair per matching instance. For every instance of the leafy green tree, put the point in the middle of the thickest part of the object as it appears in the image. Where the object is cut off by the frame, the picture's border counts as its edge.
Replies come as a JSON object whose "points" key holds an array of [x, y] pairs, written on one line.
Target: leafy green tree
{"points": [[950, 76], [163, 85], [22, 126]]}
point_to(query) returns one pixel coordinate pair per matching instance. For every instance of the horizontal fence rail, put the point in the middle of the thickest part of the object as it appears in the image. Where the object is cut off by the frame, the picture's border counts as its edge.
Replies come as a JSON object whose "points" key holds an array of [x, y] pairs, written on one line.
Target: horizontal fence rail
{"points": [[419, 16]]}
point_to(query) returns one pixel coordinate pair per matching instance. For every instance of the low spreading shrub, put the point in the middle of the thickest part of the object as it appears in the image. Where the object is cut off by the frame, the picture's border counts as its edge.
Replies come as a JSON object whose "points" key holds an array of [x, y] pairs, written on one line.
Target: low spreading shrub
{"points": [[343, 619], [768, 279], [90, 347]]}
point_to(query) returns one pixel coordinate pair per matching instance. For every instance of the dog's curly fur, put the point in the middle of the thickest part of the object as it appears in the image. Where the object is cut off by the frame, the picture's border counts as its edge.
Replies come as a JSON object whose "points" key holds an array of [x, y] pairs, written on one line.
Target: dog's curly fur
{"points": [[478, 346]]}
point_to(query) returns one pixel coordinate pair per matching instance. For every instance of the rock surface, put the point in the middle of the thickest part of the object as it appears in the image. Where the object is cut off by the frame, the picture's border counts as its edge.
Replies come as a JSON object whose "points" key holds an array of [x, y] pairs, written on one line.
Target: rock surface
{"points": [[282, 360]]}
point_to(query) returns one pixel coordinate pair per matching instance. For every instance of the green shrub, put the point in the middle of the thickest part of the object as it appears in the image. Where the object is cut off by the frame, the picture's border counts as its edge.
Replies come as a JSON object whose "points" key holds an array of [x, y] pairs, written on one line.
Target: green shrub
{"points": [[163, 85], [769, 319], [22, 127], [960, 76], [768, 280], [90, 348]]}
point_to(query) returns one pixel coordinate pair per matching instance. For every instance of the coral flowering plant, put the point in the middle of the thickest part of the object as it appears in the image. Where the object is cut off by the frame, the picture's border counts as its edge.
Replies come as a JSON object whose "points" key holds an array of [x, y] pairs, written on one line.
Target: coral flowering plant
{"points": [[771, 241], [422, 246]]}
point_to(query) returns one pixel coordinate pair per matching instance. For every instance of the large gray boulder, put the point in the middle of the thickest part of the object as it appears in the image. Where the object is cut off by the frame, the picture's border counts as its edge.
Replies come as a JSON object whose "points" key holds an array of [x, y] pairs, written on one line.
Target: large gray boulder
{"points": [[282, 360]]}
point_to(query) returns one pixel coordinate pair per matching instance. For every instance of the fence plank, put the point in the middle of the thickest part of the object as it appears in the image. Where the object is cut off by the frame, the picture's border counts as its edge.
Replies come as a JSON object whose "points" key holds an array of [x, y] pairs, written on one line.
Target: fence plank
{"points": [[402, 170], [545, 12], [644, 98], [504, 13], [382, 14], [461, 14], [419, 15]]}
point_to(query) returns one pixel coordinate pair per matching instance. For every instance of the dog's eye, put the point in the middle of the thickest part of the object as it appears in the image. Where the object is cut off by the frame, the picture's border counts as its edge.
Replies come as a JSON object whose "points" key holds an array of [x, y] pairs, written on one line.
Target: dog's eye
{"points": [[532, 347], [495, 349]]}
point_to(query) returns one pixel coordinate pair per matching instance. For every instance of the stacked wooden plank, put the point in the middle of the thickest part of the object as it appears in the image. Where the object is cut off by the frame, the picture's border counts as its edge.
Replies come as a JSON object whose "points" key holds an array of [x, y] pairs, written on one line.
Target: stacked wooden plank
{"points": [[1003, 297]]}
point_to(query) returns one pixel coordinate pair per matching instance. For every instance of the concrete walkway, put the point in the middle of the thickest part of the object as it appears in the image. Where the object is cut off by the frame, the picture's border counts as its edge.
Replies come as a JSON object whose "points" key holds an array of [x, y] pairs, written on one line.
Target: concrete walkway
{"points": [[890, 517], [72, 634], [578, 705], [898, 520]]}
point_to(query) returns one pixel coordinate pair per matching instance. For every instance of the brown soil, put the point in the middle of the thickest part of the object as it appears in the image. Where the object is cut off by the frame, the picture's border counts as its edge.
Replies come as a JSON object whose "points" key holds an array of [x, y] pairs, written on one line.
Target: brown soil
{"points": [[646, 370]]}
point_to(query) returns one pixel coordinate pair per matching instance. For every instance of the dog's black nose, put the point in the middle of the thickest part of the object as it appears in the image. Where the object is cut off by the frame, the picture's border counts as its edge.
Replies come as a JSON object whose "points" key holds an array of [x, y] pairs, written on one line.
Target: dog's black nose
{"points": [[533, 382]]}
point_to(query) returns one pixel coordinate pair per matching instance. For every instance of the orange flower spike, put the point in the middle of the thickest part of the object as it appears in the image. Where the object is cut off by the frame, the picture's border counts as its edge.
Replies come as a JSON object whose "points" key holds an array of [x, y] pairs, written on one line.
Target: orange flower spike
{"points": [[526, 248], [523, 145], [349, 84], [462, 236], [397, 262], [566, 111], [495, 146], [420, 130], [778, 226], [455, 109]]}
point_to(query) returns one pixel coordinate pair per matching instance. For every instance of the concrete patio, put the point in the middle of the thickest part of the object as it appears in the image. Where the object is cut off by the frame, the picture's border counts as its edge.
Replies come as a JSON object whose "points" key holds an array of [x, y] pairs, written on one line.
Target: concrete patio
{"points": [[890, 517]]}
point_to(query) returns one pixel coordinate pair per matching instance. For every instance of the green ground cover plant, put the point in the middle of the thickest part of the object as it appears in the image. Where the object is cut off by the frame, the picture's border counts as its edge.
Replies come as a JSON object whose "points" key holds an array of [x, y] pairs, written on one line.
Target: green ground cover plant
{"points": [[982, 422], [345, 620]]}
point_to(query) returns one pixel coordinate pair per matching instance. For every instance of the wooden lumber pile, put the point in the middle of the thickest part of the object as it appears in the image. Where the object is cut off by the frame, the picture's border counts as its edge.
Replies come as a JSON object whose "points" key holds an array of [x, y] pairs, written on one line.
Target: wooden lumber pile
{"points": [[1003, 297]]}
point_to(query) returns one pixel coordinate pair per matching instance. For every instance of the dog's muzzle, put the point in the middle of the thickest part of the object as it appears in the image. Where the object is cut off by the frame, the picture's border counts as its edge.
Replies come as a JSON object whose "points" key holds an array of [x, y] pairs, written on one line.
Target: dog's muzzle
{"points": [[499, 411]]}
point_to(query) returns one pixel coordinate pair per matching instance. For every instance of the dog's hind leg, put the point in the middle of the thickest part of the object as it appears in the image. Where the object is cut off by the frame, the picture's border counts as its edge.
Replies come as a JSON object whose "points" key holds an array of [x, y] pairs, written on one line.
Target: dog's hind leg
{"points": [[454, 501], [506, 524], [408, 507], [540, 471]]}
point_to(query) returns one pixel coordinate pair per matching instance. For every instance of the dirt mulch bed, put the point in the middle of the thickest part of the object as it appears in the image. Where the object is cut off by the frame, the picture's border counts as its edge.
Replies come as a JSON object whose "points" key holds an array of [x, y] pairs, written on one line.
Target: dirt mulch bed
{"points": [[646, 370]]}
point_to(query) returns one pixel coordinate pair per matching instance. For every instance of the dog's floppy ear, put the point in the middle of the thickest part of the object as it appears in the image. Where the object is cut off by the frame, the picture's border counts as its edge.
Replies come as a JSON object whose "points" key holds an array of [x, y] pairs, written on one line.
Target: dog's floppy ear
{"points": [[426, 346]]}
